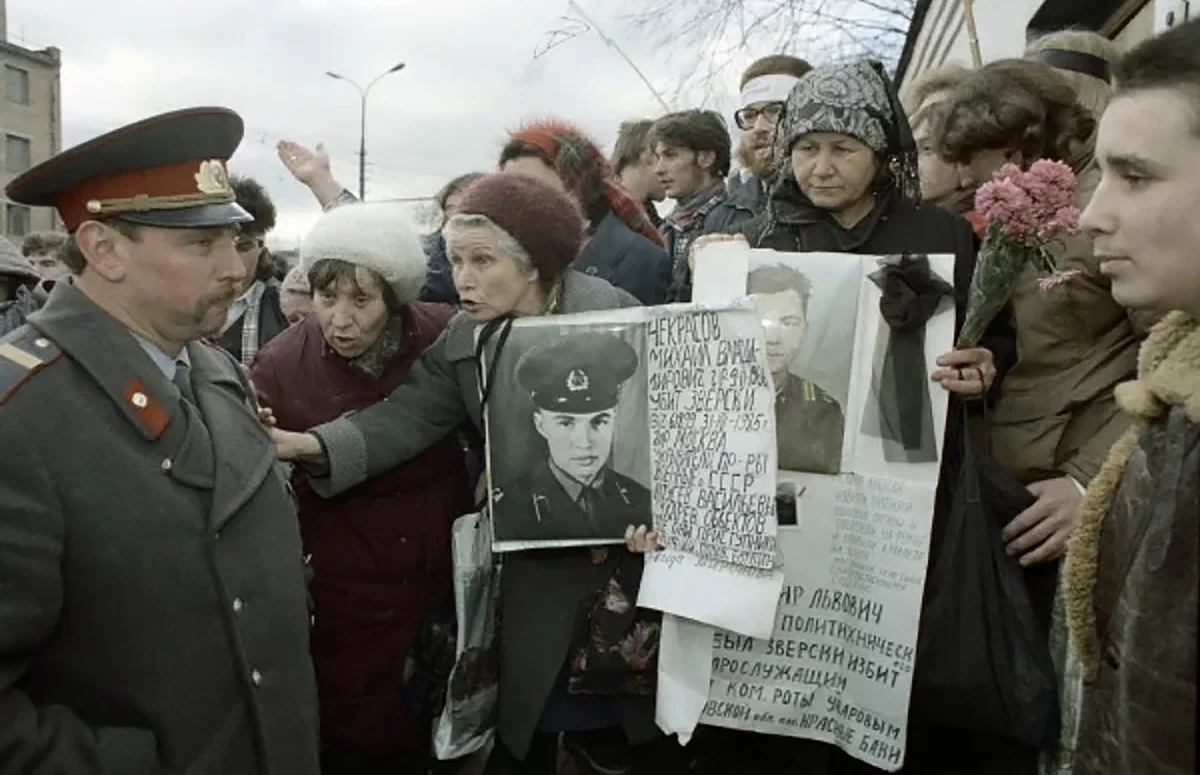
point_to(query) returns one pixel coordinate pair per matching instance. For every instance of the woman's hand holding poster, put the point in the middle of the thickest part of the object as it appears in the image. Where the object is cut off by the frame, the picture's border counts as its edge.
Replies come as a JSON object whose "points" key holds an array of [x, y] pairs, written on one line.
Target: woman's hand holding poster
{"points": [[859, 430]]}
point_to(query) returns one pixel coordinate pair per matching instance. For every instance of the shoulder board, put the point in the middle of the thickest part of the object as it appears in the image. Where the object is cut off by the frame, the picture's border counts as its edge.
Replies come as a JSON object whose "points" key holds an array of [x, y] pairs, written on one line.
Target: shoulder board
{"points": [[23, 353], [812, 392]]}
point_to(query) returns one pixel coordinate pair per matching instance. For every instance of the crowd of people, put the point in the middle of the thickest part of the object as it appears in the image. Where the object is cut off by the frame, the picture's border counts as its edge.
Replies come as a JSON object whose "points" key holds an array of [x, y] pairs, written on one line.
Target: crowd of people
{"points": [[225, 563]]}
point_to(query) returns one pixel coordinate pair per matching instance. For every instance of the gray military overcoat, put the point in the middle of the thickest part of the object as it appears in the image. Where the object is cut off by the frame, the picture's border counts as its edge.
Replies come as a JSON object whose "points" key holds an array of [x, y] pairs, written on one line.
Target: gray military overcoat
{"points": [[541, 591], [152, 602]]}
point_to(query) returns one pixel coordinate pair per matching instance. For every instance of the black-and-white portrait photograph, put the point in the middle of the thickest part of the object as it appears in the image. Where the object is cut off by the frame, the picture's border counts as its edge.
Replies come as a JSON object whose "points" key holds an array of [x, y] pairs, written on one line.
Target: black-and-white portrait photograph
{"points": [[569, 436], [808, 303]]}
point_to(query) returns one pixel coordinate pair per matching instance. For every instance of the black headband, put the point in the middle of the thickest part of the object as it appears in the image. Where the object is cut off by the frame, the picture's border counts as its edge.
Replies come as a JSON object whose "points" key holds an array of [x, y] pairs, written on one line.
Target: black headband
{"points": [[1076, 62]]}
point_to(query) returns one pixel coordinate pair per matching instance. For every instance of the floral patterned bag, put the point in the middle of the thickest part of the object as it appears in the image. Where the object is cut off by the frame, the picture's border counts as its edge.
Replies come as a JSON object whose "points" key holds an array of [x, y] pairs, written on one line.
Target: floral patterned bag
{"points": [[615, 649]]}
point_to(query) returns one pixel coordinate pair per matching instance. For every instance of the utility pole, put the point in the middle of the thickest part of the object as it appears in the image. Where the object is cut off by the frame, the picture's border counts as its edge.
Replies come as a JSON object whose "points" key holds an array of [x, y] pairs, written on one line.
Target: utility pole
{"points": [[362, 124]]}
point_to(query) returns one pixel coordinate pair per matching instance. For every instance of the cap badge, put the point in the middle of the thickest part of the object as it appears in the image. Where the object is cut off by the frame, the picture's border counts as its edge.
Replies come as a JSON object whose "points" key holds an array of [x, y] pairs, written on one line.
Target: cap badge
{"points": [[577, 381], [212, 178]]}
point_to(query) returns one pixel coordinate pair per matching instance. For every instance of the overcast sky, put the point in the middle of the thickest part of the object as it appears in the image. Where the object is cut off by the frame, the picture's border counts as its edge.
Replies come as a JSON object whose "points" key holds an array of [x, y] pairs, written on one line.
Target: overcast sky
{"points": [[470, 75]]}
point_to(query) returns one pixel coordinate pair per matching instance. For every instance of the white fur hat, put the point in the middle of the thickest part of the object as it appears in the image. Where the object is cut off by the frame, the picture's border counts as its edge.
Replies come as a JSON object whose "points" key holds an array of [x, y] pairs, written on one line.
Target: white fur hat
{"points": [[374, 235]]}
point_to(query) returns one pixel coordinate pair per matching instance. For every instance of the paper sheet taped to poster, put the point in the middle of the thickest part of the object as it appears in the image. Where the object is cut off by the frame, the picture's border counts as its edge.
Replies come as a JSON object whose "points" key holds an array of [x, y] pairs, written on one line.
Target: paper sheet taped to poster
{"points": [[838, 666], [712, 429], [710, 403]]}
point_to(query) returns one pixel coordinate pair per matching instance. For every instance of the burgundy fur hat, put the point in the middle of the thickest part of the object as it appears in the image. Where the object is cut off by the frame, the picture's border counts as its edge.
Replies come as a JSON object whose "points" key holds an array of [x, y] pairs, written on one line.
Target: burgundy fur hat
{"points": [[544, 221]]}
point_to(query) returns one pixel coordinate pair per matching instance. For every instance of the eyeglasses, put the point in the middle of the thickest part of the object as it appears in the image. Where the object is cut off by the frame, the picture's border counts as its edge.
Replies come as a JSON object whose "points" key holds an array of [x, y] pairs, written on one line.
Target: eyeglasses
{"points": [[746, 118]]}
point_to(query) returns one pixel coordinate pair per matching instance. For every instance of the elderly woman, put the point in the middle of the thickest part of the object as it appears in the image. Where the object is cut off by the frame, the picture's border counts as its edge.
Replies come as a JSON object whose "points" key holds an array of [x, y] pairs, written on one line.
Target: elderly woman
{"points": [[1055, 417], [850, 185], [511, 245], [380, 551]]}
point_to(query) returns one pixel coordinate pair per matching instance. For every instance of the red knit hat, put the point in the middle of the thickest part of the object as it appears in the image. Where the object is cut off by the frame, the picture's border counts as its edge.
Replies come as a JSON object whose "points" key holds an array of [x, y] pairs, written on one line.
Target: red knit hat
{"points": [[544, 221]]}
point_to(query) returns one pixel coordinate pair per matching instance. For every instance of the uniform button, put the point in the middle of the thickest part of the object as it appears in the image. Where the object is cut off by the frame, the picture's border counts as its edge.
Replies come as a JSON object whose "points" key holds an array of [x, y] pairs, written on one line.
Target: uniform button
{"points": [[238, 605], [139, 400], [166, 465], [403, 539], [256, 678]]}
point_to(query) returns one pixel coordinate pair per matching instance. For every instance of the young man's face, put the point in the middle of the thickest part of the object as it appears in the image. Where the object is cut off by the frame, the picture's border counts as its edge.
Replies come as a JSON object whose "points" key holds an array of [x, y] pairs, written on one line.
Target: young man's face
{"points": [[641, 177], [579, 444], [1144, 215], [682, 172], [784, 326], [48, 265]]}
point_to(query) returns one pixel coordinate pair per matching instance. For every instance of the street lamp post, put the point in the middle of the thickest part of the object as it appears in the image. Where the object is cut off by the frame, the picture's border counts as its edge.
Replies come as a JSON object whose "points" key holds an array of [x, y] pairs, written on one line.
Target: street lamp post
{"points": [[362, 130]]}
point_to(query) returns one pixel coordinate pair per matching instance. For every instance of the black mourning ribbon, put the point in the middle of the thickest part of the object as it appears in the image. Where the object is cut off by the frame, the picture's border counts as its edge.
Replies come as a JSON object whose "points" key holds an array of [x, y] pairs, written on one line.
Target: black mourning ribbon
{"points": [[903, 414]]}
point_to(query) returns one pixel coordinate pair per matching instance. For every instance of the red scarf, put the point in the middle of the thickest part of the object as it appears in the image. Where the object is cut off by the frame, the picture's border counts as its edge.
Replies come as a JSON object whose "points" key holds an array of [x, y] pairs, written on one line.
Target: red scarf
{"points": [[583, 169]]}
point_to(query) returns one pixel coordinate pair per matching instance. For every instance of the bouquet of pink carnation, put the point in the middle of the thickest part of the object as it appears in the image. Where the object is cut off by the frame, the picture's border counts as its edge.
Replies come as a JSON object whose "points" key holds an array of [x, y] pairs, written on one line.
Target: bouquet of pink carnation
{"points": [[1025, 211]]}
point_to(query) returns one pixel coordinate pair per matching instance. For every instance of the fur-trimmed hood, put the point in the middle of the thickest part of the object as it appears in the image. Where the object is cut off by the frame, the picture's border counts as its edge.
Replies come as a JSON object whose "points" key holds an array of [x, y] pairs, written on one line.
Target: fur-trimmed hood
{"points": [[1168, 376]]}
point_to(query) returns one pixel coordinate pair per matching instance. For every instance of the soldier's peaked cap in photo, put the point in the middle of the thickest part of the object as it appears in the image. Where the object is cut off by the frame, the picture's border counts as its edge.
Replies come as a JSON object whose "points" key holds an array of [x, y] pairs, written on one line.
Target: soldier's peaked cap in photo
{"points": [[166, 171], [577, 373]]}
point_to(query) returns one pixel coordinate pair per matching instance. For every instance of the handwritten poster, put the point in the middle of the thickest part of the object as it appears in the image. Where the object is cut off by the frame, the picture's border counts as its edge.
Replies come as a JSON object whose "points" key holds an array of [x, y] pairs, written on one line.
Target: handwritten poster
{"points": [[710, 424], [854, 532], [650, 416], [838, 666]]}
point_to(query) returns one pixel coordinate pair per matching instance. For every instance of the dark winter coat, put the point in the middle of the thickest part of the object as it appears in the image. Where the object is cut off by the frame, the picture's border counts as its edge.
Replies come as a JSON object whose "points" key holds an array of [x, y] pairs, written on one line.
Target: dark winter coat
{"points": [[627, 260], [152, 602], [381, 550], [542, 591], [895, 226], [439, 280]]}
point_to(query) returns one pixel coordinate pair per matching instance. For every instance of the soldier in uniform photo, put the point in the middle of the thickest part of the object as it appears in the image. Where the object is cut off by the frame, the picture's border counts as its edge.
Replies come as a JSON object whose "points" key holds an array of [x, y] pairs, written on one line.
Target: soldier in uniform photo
{"points": [[153, 615], [573, 492], [808, 421]]}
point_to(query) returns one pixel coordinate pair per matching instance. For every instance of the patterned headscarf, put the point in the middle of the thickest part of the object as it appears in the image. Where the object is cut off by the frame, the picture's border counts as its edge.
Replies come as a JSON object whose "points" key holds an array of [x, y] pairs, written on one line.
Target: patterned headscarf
{"points": [[585, 171], [856, 99]]}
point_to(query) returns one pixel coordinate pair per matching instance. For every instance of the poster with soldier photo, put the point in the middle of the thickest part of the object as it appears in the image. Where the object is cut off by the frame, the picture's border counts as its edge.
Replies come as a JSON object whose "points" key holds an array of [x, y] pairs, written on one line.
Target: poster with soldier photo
{"points": [[808, 303], [569, 457]]}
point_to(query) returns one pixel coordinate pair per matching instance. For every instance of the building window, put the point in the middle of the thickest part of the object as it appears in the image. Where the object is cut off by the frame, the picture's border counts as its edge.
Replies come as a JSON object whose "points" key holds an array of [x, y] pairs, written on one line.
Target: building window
{"points": [[18, 219], [16, 153], [16, 84]]}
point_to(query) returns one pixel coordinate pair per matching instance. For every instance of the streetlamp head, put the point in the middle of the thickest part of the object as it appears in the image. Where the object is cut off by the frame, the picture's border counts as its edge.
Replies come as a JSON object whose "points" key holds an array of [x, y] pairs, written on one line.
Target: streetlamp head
{"points": [[397, 67], [332, 74]]}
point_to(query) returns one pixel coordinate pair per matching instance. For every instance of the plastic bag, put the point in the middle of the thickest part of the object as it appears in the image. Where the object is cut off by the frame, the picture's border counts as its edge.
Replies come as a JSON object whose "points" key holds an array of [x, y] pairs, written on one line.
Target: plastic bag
{"points": [[467, 718], [983, 661]]}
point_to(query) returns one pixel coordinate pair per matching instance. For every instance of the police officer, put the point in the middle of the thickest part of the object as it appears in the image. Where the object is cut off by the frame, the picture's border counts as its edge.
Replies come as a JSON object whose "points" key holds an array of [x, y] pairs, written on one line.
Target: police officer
{"points": [[152, 613], [573, 493], [808, 421]]}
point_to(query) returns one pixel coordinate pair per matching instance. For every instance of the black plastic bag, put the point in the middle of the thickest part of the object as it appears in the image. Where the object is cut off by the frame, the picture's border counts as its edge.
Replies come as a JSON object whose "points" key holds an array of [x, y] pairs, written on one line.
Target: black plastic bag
{"points": [[983, 661]]}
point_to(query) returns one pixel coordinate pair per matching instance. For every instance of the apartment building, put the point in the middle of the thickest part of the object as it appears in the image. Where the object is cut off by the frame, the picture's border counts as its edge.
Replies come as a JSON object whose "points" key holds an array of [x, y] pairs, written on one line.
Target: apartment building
{"points": [[30, 125], [938, 33]]}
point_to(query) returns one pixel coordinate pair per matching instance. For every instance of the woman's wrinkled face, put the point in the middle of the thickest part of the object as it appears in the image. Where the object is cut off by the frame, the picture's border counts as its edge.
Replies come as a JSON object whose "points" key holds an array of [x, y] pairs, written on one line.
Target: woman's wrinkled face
{"points": [[352, 312], [835, 171], [490, 283]]}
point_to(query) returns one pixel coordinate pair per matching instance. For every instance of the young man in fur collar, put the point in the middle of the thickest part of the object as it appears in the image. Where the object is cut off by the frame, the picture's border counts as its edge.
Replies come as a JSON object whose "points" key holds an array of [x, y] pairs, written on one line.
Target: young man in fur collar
{"points": [[1130, 584]]}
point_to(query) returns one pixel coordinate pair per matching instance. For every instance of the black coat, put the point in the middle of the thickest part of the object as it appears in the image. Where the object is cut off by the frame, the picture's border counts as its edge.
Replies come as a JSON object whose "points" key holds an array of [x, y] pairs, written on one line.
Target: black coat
{"points": [[627, 260], [896, 226]]}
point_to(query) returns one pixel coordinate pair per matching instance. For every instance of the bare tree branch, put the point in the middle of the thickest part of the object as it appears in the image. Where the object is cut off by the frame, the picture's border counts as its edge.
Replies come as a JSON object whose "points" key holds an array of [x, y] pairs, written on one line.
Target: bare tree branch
{"points": [[710, 35]]}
